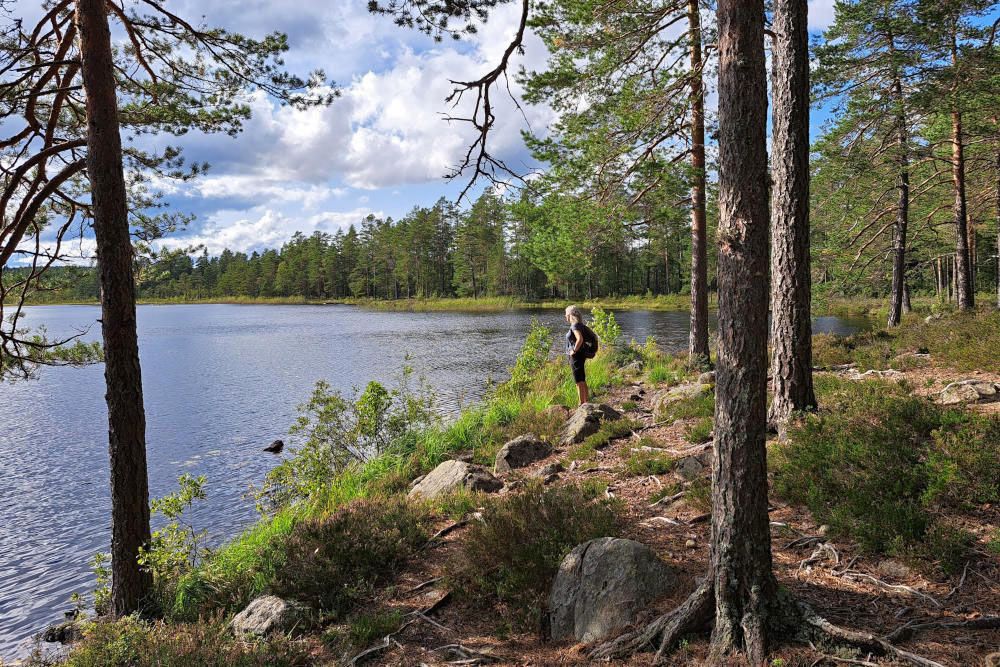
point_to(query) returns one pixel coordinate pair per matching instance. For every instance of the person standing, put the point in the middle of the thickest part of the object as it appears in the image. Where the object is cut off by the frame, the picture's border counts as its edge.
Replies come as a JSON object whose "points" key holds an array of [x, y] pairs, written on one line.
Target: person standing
{"points": [[581, 344]]}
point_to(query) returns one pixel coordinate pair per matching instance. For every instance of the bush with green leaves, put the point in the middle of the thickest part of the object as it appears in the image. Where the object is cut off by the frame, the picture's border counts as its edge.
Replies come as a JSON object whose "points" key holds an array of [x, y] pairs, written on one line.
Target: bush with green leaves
{"points": [[331, 563], [176, 548], [533, 355], [340, 432], [511, 555], [606, 327]]}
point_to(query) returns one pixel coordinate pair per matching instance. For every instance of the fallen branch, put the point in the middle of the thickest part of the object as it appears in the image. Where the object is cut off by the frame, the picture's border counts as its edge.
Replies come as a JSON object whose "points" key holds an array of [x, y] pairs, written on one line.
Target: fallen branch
{"points": [[898, 588], [907, 630], [667, 500], [421, 586], [444, 531], [467, 656], [387, 642]]}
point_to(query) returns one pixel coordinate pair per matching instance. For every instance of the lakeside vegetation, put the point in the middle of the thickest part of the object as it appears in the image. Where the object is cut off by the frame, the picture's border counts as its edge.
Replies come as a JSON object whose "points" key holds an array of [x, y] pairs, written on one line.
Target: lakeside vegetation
{"points": [[337, 526]]}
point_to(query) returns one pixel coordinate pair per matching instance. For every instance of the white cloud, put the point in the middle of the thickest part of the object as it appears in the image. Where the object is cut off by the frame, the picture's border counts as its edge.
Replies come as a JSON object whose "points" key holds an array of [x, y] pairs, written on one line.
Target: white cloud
{"points": [[260, 228], [821, 14]]}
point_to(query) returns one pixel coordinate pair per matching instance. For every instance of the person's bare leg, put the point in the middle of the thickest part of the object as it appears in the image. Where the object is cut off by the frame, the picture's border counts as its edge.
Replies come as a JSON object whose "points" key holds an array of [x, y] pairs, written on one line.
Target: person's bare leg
{"points": [[583, 391]]}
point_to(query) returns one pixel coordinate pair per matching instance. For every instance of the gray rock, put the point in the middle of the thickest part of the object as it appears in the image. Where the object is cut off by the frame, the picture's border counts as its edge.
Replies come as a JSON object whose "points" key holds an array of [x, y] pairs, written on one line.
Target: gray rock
{"points": [[549, 473], [62, 633], [586, 421], [664, 399], [690, 467], [634, 367], [969, 391], [453, 476], [707, 378], [520, 452], [268, 614], [602, 586], [560, 411]]}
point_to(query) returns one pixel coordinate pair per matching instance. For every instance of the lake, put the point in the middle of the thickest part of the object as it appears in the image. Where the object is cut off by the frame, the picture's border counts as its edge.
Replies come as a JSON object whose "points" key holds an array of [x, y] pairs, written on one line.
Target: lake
{"points": [[220, 383]]}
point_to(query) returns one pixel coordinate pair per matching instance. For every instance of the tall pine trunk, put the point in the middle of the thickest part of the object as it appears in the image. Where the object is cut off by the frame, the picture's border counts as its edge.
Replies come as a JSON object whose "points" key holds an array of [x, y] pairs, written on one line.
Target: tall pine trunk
{"points": [[698, 341], [744, 585], [791, 288], [902, 201], [963, 269], [130, 583]]}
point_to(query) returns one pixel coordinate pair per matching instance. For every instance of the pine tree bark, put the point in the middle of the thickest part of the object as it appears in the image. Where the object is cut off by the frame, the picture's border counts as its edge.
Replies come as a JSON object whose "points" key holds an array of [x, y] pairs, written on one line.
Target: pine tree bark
{"points": [[963, 270], [130, 583], [791, 286], [998, 228], [698, 342], [902, 201], [742, 577]]}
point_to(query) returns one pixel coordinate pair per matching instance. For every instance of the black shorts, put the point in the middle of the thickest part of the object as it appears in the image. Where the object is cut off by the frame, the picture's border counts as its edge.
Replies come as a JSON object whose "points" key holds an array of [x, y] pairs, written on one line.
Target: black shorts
{"points": [[576, 362]]}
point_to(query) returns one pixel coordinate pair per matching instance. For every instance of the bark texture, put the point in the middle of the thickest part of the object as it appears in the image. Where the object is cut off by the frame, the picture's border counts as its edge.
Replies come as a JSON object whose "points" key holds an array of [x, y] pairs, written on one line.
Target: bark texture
{"points": [[698, 342], [903, 198], [791, 282], [130, 584], [745, 587], [963, 267]]}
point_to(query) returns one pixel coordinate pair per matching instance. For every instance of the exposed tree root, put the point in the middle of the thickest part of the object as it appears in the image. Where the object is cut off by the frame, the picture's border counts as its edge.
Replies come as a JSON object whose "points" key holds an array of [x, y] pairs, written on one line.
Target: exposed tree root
{"points": [[665, 631], [696, 613], [906, 631]]}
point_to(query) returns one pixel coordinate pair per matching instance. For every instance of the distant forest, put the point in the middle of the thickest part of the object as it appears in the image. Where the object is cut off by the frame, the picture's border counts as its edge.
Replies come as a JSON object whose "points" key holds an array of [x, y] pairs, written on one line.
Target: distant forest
{"points": [[492, 248]]}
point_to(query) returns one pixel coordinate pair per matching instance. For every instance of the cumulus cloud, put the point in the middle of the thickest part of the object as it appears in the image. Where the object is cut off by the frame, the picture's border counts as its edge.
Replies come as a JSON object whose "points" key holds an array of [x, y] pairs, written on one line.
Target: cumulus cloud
{"points": [[261, 227]]}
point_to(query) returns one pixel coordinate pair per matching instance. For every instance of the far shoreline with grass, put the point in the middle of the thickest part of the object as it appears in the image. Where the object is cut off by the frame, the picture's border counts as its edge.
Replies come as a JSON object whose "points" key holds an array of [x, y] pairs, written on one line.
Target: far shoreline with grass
{"points": [[827, 306]]}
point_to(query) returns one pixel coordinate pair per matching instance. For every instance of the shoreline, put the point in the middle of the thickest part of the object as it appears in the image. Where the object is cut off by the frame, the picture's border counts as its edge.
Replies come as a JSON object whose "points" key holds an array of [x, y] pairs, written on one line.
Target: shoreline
{"points": [[839, 307]]}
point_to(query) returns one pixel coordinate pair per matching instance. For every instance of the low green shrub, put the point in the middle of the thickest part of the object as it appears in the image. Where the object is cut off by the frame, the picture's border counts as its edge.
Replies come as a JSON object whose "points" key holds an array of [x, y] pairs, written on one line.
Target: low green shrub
{"points": [[699, 495], [877, 464], [367, 628], [510, 557], [700, 406], [130, 642], [964, 463], [330, 563], [700, 431], [644, 463]]}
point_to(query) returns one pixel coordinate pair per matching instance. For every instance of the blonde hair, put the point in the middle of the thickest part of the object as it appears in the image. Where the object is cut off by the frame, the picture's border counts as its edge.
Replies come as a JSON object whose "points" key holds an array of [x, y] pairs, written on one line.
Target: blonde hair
{"points": [[575, 314]]}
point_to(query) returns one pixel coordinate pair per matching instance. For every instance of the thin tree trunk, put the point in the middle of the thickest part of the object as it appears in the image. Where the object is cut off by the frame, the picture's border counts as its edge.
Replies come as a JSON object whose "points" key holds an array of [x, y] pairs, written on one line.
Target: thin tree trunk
{"points": [[998, 229], [130, 583], [742, 577], [791, 287], [698, 352], [902, 202], [907, 306], [963, 271]]}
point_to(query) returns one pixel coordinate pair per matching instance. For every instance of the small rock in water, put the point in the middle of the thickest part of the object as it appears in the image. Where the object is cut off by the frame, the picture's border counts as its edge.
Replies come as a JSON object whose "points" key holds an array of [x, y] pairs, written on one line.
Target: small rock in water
{"points": [[275, 447]]}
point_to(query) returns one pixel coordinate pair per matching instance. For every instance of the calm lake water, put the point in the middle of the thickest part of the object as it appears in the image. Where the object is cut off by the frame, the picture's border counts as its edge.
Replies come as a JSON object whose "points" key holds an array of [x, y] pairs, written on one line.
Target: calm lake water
{"points": [[220, 383]]}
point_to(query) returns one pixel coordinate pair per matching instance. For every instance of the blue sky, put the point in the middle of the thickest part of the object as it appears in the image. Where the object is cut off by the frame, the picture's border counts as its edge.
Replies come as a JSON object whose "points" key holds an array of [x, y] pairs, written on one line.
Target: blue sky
{"points": [[381, 148]]}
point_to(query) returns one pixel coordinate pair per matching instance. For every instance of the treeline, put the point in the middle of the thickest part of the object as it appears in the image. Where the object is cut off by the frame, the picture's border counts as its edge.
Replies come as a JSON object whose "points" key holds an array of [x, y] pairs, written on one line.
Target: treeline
{"points": [[527, 249]]}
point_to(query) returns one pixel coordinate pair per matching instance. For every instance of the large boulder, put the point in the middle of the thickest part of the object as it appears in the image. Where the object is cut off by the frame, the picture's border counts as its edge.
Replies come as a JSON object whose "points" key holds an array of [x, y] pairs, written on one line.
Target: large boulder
{"points": [[969, 391], [587, 421], [268, 614], [602, 586], [452, 476], [520, 452]]}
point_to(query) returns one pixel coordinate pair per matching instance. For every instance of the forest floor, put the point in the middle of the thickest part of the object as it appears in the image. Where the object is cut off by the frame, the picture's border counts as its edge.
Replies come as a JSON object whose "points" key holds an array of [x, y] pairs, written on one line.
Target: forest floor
{"points": [[873, 594]]}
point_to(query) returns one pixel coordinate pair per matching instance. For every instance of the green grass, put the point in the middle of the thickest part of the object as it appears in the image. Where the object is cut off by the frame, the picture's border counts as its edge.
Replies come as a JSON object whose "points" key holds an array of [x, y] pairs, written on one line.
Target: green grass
{"points": [[643, 463], [701, 406], [963, 341], [700, 431]]}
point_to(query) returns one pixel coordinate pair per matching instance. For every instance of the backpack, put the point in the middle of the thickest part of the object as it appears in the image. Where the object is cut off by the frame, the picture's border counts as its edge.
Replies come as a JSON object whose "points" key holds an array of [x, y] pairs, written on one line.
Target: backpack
{"points": [[590, 342]]}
